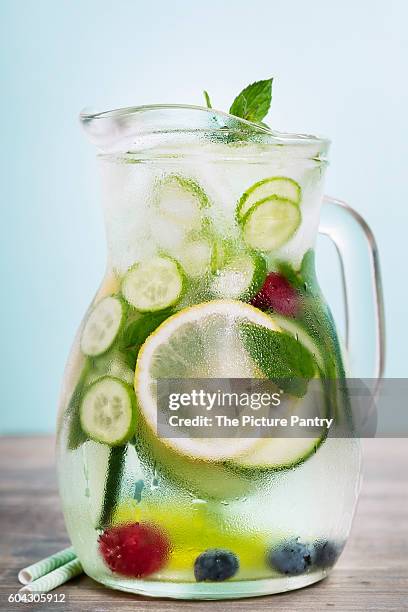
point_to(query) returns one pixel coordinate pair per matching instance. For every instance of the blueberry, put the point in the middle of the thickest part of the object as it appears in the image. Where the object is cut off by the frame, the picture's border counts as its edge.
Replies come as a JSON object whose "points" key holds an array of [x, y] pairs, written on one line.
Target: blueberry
{"points": [[291, 558], [326, 553], [215, 565]]}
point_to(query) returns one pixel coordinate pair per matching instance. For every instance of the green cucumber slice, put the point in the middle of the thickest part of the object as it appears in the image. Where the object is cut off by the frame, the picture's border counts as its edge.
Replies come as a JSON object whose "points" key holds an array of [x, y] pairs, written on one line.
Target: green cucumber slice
{"points": [[180, 200], [102, 326], [107, 412], [153, 285], [280, 186], [177, 211], [241, 278], [223, 250], [270, 223]]}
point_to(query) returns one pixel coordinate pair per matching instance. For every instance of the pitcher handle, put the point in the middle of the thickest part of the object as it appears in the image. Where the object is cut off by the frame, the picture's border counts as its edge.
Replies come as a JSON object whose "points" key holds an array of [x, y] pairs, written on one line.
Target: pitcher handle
{"points": [[362, 290]]}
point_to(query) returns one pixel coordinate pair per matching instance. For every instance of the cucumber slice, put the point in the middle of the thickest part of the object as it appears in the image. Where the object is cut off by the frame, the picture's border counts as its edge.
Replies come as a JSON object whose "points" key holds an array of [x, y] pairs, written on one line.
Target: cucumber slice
{"points": [[241, 278], [223, 250], [108, 411], [153, 285], [270, 223], [180, 200], [177, 212], [102, 326], [280, 186]]}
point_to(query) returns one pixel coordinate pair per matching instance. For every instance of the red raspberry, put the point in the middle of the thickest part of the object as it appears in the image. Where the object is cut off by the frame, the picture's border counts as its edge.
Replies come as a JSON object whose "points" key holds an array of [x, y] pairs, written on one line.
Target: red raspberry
{"points": [[134, 550], [277, 294]]}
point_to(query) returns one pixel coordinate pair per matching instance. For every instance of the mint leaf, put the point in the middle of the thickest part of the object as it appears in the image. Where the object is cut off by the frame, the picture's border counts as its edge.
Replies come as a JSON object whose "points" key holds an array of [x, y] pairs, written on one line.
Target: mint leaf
{"points": [[253, 102], [307, 269], [76, 435], [207, 99], [280, 357], [136, 332]]}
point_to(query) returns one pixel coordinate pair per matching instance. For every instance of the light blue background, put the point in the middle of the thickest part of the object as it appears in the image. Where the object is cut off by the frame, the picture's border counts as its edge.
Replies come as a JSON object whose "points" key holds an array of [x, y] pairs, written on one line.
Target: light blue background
{"points": [[341, 71]]}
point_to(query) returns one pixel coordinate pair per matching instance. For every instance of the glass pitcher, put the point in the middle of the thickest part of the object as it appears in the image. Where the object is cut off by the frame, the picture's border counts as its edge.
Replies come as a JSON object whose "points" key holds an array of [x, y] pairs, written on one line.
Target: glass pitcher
{"points": [[211, 226]]}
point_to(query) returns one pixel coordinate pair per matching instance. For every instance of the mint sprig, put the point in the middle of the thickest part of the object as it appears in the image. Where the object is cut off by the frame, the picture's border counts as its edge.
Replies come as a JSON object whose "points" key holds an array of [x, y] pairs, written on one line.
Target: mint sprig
{"points": [[207, 99], [280, 357], [253, 102]]}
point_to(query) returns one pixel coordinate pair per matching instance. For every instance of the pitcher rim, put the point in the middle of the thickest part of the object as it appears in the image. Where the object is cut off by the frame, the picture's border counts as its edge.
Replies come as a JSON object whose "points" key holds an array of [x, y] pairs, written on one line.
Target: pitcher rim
{"points": [[279, 138]]}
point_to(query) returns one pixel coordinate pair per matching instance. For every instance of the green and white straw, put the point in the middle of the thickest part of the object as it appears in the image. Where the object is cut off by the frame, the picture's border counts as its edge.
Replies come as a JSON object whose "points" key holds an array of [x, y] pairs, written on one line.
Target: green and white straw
{"points": [[45, 566], [55, 578], [51, 572]]}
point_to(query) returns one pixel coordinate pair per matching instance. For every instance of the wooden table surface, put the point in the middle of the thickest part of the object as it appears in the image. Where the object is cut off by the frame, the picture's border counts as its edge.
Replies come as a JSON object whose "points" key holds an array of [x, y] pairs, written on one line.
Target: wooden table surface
{"points": [[372, 573]]}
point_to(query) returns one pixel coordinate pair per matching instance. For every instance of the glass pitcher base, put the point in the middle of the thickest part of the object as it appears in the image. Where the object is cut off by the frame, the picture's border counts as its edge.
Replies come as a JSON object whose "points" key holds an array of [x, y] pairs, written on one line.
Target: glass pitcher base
{"points": [[208, 591]]}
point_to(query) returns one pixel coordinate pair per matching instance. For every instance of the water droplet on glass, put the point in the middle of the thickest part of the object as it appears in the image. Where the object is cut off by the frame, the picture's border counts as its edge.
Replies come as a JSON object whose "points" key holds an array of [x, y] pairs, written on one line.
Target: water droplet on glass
{"points": [[155, 479], [197, 501]]}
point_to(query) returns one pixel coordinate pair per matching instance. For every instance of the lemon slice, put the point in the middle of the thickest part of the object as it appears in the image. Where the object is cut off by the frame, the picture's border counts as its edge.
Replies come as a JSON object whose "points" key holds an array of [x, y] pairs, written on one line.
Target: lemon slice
{"points": [[202, 341]]}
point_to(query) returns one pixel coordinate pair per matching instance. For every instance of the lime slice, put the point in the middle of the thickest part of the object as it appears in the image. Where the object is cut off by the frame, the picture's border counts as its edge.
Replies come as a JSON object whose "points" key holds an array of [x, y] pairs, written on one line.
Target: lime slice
{"points": [[277, 452], [280, 186], [202, 341], [153, 285], [270, 223], [296, 359], [107, 411]]}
